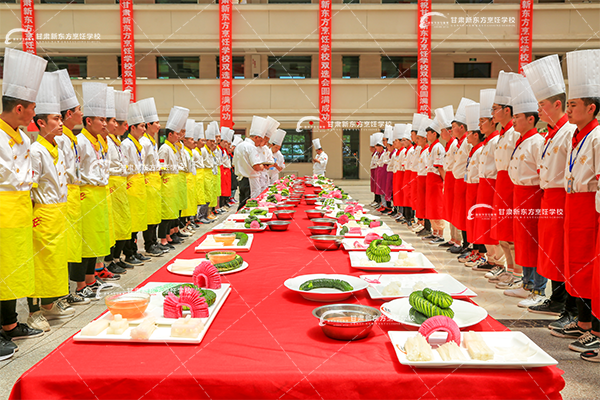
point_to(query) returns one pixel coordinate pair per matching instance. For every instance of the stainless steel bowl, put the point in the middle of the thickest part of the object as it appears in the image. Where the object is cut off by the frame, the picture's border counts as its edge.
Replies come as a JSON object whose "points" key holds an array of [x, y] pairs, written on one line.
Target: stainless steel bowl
{"points": [[323, 221], [284, 214], [310, 201], [320, 230], [314, 214], [278, 225], [346, 321], [327, 242], [281, 207]]}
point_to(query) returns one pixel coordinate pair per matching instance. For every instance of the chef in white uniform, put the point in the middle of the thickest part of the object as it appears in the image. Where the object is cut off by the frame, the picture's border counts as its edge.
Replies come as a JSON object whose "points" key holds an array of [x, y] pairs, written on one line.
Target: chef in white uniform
{"points": [[276, 140], [320, 160], [247, 161]]}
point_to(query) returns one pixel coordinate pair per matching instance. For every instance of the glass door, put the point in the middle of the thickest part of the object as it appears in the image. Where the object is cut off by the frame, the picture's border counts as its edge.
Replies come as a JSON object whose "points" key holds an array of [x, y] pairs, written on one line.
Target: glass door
{"points": [[350, 152]]}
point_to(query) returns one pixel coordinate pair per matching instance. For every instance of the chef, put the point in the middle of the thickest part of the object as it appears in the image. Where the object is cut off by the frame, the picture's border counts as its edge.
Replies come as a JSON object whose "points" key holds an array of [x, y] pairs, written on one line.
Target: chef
{"points": [[320, 160], [199, 164], [502, 220], [266, 153], [212, 180], [169, 169], [434, 207], [396, 168], [151, 175], [49, 196], [387, 171], [276, 141], [546, 80], [189, 144], [248, 163], [411, 164], [373, 167], [226, 138], [407, 147], [422, 161]]}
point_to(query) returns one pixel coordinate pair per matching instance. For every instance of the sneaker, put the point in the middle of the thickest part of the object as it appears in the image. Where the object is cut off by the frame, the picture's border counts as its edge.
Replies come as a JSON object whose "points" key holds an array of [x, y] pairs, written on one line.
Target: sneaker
{"points": [[564, 319], [532, 300], [154, 251], [518, 291], [483, 267], [7, 349], [115, 269], [99, 286], [591, 356], [132, 260], [182, 233], [124, 265], [141, 257], [428, 238], [446, 244], [73, 299], [163, 247], [38, 321], [494, 272], [480, 259], [87, 293], [468, 257], [571, 330], [547, 307], [60, 309], [437, 241], [418, 228], [509, 281], [205, 221], [23, 331], [586, 342], [424, 232], [175, 240], [105, 275], [456, 249], [211, 217]]}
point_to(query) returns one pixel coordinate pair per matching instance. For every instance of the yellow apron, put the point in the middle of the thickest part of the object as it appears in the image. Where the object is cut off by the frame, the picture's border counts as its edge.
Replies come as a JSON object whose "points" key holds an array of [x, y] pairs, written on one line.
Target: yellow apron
{"points": [[215, 188], [200, 197], [94, 221], [111, 221], [208, 192], [50, 250], [182, 191], [16, 245], [119, 202], [169, 196], [192, 207], [153, 201], [73, 224], [136, 191]]}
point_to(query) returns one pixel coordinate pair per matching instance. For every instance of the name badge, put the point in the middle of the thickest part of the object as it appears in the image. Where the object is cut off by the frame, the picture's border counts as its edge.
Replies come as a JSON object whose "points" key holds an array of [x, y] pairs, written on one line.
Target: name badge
{"points": [[570, 185]]}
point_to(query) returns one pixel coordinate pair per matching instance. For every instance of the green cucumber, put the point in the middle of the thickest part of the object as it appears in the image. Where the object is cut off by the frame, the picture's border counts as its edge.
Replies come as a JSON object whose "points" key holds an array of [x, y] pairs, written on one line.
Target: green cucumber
{"points": [[230, 265], [426, 307], [437, 297], [416, 317], [326, 283], [242, 238]]}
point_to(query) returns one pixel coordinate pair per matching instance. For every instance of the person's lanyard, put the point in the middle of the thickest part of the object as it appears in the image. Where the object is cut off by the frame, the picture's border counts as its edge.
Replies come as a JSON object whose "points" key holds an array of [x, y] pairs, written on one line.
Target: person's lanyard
{"points": [[480, 144], [573, 161]]}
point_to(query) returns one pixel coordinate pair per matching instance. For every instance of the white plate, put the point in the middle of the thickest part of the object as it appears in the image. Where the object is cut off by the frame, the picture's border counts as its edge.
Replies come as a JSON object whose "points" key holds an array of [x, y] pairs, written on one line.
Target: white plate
{"points": [[162, 334], [325, 294], [497, 341], [191, 272], [237, 227], [241, 217], [204, 248], [332, 214], [465, 313], [364, 231], [444, 282], [418, 261], [349, 245]]}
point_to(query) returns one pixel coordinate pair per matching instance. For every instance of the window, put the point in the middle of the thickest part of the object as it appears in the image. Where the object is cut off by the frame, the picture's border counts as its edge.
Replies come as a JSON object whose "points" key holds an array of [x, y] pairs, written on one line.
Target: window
{"points": [[351, 1], [398, 1], [176, 1], [290, 67], [63, 1], [350, 66], [1, 67], [398, 67], [238, 67], [178, 67], [351, 153], [296, 146], [77, 66], [473, 1], [288, 1], [472, 70]]}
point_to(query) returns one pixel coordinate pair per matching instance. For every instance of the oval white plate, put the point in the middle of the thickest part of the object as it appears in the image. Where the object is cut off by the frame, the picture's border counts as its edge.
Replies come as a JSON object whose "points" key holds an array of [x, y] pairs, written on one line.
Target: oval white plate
{"points": [[191, 273], [465, 313], [325, 294]]}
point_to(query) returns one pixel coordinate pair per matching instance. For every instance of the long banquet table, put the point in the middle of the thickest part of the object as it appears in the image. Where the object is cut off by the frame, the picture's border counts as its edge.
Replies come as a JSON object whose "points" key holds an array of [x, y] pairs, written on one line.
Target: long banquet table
{"points": [[265, 344]]}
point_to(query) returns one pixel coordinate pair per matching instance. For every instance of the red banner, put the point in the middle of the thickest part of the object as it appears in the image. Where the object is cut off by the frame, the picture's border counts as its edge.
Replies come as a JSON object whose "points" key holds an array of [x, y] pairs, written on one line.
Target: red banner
{"points": [[525, 18], [424, 58], [325, 64], [127, 47], [28, 26], [225, 62]]}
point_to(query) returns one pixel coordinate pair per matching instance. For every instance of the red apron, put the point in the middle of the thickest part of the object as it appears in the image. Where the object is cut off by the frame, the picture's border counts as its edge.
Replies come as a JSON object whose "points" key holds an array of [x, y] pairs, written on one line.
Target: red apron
{"points": [[502, 220], [527, 201], [421, 196], [389, 185], [482, 228], [407, 189], [581, 231], [551, 235], [380, 181], [459, 212], [225, 181], [448, 196], [470, 201], [414, 191], [434, 208], [596, 283], [398, 177]]}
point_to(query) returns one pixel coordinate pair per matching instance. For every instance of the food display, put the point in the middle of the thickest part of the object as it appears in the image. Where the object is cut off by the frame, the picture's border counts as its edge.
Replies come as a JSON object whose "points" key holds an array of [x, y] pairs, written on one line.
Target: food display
{"points": [[145, 329], [94, 328], [430, 303], [225, 261], [208, 295], [189, 297], [252, 222], [440, 323], [399, 260], [206, 275], [225, 238], [325, 287], [118, 325], [450, 351], [418, 349], [252, 203], [378, 252], [338, 284], [187, 327], [130, 305], [476, 346]]}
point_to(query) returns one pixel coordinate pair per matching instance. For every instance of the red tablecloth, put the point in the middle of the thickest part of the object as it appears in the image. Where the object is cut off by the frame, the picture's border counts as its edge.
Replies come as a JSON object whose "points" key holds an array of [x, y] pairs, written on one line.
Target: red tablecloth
{"points": [[265, 343]]}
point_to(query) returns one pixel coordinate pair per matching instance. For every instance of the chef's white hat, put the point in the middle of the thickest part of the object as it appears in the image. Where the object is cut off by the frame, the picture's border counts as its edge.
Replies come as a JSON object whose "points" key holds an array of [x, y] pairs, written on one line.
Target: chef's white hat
{"points": [[460, 115], [177, 118], [237, 139], [503, 88], [408, 131], [134, 114], [48, 96], [277, 137], [472, 113], [486, 101], [425, 123], [522, 98], [444, 116], [316, 144], [416, 121], [199, 131], [435, 125], [388, 133], [148, 108], [545, 77], [94, 99], [23, 74], [68, 98], [224, 132], [258, 127], [122, 101], [110, 102], [212, 130], [378, 138], [583, 68], [272, 126], [399, 130], [190, 128]]}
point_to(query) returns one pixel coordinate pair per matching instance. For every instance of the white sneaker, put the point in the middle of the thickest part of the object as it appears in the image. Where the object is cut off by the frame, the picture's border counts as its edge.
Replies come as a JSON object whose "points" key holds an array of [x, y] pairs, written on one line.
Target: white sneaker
{"points": [[418, 228], [494, 272], [532, 300], [517, 292], [476, 262], [505, 280], [60, 309], [38, 321]]}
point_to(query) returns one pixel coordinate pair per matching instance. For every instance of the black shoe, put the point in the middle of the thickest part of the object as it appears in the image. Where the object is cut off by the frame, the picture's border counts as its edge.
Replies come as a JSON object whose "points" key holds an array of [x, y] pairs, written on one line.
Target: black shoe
{"points": [[115, 269], [437, 241], [572, 331], [465, 252], [141, 257], [164, 247], [409, 223], [23, 331], [175, 239], [133, 260], [483, 267], [194, 225], [548, 307], [565, 319], [154, 251], [457, 249], [428, 237], [446, 244], [182, 235], [125, 265], [7, 348], [424, 232]]}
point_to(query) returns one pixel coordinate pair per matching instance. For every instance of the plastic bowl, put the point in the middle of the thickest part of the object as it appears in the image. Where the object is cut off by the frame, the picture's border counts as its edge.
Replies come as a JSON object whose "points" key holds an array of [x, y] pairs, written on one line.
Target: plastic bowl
{"points": [[278, 225], [320, 230], [323, 221], [131, 305], [221, 256], [346, 321], [327, 242], [314, 214], [226, 238], [284, 214]]}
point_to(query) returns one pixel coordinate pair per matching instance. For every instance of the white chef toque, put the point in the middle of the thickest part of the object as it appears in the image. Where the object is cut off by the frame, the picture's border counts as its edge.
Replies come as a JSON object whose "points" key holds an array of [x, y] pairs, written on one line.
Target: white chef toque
{"points": [[408, 131], [416, 121], [316, 144], [134, 114], [258, 126], [148, 108], [272, 126], [583, 68], [68, 98], [460, 115], [122, 101], [94, 99], [425, 123], [435, 125], [388, 133], [472, 113], [110, 102], [486, 101], [277, 137], [177, 117], [212, 130], [190, 128], [47, 100], [199, 131], [522, 98], [378, 138], [399, 130], [237, 139], [444, 116], [22, 74], [545, 77], [503, 88]]}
